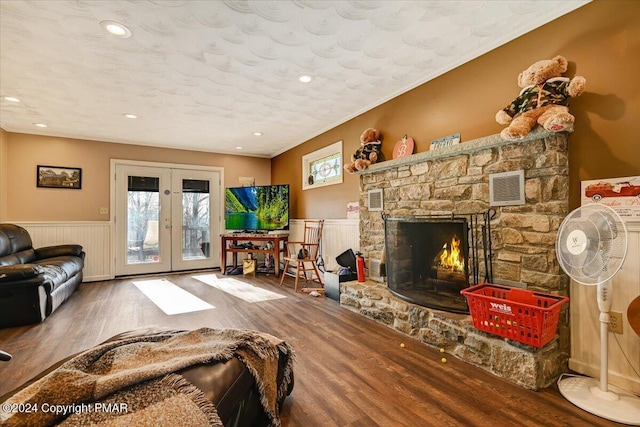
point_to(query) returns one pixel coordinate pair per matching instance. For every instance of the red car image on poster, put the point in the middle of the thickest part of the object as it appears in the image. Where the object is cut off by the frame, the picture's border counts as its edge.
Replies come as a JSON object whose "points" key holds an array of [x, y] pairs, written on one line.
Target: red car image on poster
{"points": [[606, 189]]}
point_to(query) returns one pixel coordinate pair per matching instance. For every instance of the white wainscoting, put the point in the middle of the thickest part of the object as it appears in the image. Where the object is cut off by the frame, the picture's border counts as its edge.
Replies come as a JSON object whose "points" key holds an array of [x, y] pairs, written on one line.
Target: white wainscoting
{"points": [[338, 235], [94, 236], [585, 326]]}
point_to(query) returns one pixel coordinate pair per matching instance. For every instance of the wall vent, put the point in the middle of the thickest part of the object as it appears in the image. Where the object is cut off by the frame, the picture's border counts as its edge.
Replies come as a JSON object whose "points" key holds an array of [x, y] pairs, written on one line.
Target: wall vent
{"points": [[375, 200], [506, 188]]}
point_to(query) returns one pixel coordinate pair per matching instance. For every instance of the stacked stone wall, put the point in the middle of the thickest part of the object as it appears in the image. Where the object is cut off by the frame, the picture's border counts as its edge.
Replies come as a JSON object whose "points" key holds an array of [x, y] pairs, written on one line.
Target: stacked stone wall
{"points": [[522, 237], [455, 181]]}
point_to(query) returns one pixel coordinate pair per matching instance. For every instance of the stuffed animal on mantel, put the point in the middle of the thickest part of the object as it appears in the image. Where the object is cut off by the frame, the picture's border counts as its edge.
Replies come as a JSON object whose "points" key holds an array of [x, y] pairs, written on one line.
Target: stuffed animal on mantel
{"points": [[368, 153], [544, 99]]}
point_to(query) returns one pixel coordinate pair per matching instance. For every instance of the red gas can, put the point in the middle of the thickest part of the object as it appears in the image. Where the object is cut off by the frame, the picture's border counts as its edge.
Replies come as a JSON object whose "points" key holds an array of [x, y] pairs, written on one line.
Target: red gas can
{"points": [[360, 266]]}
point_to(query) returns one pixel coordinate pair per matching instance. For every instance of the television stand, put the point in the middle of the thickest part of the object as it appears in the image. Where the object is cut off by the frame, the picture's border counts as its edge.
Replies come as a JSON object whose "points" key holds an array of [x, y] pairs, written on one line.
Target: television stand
{"points": [[232, 243]]}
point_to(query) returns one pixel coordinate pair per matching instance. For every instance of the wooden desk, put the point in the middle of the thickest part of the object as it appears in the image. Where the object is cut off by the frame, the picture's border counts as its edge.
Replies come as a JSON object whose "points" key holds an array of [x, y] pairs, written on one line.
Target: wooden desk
{"points": [[231, 241]]}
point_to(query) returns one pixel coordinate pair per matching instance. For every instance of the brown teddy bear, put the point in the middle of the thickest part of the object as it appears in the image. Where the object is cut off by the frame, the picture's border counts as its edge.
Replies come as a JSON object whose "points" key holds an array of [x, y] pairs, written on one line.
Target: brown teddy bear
{"points": [[368, 153], [544, 99]]}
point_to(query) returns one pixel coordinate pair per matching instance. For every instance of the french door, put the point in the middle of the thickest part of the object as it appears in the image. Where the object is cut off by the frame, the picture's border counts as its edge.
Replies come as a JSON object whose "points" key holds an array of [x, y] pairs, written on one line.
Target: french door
{"points": [[166, 219]]}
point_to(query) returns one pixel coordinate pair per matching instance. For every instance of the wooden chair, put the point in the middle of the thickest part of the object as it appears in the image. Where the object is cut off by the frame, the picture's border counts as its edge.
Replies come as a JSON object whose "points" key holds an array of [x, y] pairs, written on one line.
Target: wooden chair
{"points": [[304, 254]]}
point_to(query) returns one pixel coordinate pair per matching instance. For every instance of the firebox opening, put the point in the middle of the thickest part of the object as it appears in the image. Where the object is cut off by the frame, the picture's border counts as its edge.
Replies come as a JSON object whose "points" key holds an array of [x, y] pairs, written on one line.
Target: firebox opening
{"points": [[427, 261]]}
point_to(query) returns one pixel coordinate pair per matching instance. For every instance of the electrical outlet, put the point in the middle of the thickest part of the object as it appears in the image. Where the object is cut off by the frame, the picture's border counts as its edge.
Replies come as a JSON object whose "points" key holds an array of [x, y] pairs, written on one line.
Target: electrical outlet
{"points": [[615, 322]]}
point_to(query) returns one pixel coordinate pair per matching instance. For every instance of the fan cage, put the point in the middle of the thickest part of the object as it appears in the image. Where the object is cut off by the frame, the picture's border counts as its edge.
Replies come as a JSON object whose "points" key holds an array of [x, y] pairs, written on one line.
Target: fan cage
{"points": [[606, 244]]}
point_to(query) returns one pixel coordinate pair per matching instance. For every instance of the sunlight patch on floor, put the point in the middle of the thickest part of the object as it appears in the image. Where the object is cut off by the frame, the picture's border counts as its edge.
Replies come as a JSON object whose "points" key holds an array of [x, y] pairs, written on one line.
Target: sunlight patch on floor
{"points": [[170, 298], [237, 288]]}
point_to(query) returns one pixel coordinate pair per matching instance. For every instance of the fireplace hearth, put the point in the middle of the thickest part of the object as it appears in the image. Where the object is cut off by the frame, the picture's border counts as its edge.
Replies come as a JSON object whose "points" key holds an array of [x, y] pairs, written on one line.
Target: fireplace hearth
{"points": [[427, 261]]}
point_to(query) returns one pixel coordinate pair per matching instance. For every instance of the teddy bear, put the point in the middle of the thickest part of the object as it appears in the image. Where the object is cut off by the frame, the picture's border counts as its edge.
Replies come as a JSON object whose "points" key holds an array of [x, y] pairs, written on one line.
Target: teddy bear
{"points": [[544, 99], [368, 153]]}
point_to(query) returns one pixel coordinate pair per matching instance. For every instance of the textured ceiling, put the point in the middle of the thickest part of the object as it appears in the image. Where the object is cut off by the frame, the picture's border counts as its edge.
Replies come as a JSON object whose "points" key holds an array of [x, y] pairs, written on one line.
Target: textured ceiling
{"points": [[205, 75]]}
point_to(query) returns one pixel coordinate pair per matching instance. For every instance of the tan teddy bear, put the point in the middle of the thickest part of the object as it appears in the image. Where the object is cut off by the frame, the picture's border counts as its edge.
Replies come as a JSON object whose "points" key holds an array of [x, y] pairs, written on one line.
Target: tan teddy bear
{"points": [[544, 99], [368, 152]]}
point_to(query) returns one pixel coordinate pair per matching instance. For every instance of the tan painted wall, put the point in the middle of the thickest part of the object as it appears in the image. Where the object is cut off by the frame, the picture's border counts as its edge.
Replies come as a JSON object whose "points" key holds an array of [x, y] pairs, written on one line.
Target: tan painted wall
{"points": [[3, 173], [25, 202], [601, 40]]}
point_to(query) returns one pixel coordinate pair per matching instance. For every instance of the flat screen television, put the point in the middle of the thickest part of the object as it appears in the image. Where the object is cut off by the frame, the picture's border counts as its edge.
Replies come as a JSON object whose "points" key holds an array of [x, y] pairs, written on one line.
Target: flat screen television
{"points": [[257, 208]]}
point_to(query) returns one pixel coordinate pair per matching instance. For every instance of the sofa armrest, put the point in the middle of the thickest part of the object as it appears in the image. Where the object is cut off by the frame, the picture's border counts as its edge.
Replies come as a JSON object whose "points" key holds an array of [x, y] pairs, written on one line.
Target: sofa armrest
{"points": [[59, 250], [11, 273]]}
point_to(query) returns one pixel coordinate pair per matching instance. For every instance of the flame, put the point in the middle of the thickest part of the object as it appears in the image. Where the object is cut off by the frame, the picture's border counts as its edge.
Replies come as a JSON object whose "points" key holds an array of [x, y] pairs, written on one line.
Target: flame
{"points": [[451, 256]]}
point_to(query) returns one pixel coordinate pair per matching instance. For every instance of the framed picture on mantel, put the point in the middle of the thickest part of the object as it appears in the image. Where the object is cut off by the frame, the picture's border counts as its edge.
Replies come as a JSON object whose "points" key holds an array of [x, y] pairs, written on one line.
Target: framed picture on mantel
{"points": [[59, 177], [446, 141]]}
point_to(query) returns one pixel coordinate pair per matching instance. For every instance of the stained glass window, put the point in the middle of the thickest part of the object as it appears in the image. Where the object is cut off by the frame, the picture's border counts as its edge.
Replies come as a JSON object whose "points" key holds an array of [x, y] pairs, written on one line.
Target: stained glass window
{"points": [[322, 167]]}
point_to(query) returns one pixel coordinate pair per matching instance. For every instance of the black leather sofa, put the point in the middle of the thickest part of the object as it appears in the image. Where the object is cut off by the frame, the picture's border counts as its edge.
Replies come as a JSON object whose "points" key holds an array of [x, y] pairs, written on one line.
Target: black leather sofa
{"points": [[229, 385], [34, 282]]}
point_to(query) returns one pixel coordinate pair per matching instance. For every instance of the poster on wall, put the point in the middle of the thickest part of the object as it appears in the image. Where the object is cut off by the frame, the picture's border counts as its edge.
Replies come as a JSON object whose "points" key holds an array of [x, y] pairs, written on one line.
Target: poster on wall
{"points": [[353, 210], [621, 194]]}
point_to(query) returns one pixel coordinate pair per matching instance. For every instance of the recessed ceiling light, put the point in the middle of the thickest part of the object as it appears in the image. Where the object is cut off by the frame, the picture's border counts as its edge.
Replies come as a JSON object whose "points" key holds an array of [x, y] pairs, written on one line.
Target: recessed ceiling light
{"points": [[239, 148], [116, 29], [40, 125], [305, 78], [10, 99], [130, 116], [257, 133]]}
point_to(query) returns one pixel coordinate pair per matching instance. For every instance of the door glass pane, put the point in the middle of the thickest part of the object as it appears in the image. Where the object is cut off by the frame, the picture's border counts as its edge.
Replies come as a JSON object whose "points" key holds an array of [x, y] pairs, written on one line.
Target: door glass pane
{"points": [[195, 219], [143, 211]]}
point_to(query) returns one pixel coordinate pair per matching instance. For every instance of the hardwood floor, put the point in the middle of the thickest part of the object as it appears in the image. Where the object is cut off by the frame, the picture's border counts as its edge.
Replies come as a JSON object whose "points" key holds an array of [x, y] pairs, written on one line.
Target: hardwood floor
{"points": [[349, 370]]}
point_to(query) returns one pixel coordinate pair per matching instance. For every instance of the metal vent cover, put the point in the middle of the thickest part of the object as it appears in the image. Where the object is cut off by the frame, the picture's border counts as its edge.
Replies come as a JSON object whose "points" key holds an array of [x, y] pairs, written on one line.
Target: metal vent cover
{"points": [[506, 188], [375, 200]]}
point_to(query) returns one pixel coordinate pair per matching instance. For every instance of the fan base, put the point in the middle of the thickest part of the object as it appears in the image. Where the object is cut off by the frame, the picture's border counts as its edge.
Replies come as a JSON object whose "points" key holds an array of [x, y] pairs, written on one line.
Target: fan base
{"points": [[585, 393]]}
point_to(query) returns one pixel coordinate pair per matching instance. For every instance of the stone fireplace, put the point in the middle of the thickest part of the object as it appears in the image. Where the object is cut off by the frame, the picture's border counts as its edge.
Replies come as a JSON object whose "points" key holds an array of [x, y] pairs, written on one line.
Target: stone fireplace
{"points": [[453, 182], [427, 261]]}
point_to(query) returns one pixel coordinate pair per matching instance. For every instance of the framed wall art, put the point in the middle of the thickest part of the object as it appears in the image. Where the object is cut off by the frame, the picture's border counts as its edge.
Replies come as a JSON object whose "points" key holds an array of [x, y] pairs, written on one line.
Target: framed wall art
{"points": [[621, 194], [59, 177], [322, 167]]}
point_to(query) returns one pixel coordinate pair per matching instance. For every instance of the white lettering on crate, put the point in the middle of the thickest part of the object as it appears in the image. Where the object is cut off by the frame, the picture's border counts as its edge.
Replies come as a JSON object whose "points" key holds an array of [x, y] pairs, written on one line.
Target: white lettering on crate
{"points": [[501, 308]]}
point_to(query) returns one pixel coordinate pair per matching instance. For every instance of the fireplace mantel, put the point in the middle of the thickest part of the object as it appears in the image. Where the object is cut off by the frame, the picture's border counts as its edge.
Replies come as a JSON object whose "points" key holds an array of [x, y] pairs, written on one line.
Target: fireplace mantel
{"points": [[454, 150]]}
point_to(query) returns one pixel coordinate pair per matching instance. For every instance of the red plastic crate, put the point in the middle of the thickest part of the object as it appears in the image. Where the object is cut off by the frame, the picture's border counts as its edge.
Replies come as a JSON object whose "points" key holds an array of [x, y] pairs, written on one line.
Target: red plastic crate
{"points": [[520, 315]]}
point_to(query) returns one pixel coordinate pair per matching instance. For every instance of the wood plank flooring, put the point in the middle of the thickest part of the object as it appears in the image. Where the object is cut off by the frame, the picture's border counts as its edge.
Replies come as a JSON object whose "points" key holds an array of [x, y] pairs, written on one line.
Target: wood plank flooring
{"points": [[349, 370]]}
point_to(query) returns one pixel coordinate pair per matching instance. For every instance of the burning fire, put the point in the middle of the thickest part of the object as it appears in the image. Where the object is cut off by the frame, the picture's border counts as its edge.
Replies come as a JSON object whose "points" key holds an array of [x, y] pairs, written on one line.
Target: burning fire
{"points": [[451, 257]]}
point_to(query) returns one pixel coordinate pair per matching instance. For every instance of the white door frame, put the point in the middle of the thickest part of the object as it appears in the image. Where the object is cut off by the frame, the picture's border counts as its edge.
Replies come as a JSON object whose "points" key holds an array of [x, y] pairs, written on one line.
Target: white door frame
{"points": [[215, 254]]}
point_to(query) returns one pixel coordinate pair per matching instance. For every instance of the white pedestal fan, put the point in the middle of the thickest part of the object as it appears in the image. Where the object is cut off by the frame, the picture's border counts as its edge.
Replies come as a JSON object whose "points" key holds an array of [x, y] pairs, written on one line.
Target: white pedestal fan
{"points": [[591, 248]]}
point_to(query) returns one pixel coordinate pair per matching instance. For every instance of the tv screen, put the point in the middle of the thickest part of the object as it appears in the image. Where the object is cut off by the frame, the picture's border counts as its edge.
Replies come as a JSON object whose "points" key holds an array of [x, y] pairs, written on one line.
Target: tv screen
{"points": [[257, 208]]}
